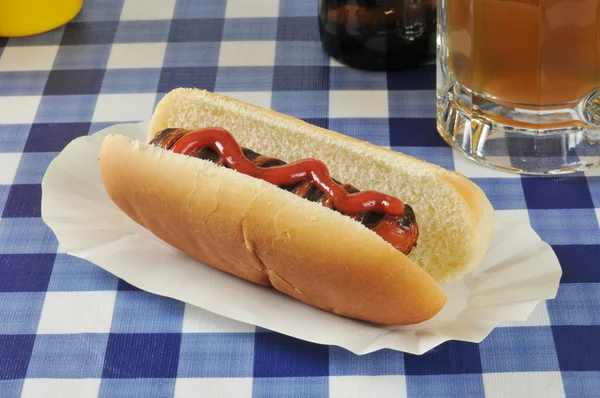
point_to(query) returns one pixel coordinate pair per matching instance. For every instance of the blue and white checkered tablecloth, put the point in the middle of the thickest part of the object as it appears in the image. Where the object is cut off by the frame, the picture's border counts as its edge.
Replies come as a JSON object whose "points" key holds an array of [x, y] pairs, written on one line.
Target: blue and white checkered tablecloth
{"points": [[68, 328]]}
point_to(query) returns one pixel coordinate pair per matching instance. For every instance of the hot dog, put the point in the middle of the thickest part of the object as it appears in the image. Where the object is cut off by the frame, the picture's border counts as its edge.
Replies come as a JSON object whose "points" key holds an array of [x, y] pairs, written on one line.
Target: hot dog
{"points": [[388, 217], [341, 234]]}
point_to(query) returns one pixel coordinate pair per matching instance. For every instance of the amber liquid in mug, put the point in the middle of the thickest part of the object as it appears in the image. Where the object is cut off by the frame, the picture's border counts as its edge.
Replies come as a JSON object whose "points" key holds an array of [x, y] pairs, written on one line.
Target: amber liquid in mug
{"points": [[537, 52]]}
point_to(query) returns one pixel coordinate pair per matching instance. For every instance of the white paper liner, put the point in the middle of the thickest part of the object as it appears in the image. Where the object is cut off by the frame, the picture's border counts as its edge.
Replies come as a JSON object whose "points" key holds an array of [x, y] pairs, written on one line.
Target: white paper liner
{"points": [[517, 273]]}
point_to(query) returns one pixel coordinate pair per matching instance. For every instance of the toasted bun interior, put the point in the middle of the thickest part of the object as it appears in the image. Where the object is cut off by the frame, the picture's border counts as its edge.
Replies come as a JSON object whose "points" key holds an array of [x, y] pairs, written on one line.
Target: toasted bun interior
{"points": [[454, 216]]}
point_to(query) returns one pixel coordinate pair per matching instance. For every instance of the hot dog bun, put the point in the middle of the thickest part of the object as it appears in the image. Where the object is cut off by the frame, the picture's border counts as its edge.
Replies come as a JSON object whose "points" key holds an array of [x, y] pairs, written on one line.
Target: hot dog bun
{"points": [[454, 215], [264, 234]]}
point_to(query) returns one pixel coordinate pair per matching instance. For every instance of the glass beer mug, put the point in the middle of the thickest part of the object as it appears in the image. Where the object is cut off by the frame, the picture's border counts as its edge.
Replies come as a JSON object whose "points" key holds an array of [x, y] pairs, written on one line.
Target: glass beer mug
{"points": [[518, 83]]}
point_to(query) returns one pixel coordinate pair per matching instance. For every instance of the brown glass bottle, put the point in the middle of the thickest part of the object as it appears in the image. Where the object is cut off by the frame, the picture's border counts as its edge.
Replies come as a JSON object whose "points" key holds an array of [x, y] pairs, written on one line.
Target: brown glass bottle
{"points": [[378, 34]]}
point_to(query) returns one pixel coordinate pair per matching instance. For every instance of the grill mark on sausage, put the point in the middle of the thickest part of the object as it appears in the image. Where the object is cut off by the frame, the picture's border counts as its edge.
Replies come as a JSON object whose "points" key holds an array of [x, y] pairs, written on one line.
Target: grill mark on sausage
{"points": [[272, 162], [314, 194], [371, 219], [208, 154], [250, 154], [302, 188], [167, 138]]}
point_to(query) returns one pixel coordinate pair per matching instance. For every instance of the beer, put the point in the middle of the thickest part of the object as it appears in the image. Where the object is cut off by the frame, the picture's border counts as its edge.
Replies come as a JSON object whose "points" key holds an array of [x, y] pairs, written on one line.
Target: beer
{"points": [[518, 83], [377, 34], [538, 52]]}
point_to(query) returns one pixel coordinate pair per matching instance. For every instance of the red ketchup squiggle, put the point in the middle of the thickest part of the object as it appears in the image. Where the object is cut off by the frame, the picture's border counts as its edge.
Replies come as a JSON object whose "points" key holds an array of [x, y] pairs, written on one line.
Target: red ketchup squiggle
{"points": [[223, 143]]}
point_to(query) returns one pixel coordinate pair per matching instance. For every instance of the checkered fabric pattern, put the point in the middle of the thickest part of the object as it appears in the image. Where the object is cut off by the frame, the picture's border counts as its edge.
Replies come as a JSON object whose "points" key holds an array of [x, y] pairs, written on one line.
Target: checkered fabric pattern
{"points": [[68, 328]]}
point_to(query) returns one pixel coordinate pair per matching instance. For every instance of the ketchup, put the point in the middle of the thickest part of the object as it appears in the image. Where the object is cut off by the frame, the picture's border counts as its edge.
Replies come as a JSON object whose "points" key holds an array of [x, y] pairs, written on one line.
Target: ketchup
{"points": [[223, 143]]}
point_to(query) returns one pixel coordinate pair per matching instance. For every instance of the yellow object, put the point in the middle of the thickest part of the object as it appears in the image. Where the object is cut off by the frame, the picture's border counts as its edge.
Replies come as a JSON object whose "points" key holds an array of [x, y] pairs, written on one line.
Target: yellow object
{"points": [[30, 17]]}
